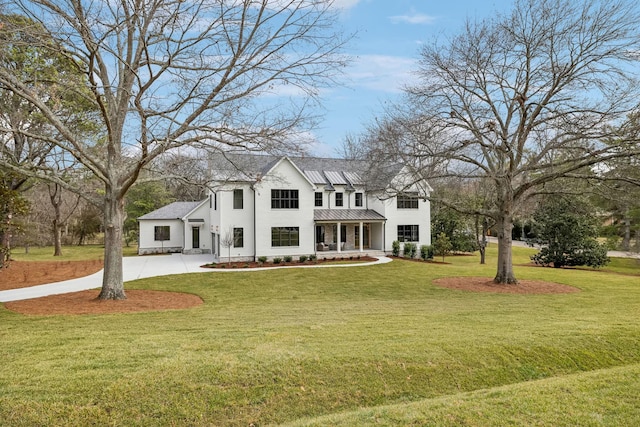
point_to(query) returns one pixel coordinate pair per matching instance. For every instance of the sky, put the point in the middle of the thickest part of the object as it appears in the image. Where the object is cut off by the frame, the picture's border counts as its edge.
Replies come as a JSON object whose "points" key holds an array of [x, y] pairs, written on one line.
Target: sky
{"points": [[386, 47]]}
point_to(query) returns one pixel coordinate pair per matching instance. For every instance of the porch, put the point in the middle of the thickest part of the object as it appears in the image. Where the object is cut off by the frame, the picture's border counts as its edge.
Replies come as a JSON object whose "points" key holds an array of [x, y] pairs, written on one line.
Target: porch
{"points": [[348, 231]]}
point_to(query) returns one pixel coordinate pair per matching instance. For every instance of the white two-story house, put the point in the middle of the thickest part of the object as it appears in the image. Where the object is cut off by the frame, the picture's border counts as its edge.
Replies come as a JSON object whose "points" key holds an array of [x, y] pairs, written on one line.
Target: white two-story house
{"points": [[277, 206]]}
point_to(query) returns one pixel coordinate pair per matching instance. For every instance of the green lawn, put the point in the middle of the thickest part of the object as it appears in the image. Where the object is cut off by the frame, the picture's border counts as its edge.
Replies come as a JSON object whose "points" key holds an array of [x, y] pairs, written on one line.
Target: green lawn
{"points": [[359, 346]]}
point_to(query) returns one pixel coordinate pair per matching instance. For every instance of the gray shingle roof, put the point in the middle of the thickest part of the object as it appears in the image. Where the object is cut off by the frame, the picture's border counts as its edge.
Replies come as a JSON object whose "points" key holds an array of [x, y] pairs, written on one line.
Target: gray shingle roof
{"points": [[175, 210], [347, 215], [320, 171]]}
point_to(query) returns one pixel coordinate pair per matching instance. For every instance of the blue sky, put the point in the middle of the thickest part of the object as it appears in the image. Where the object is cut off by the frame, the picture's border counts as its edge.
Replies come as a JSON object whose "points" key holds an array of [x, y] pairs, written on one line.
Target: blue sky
{"points": [[386, 48]]}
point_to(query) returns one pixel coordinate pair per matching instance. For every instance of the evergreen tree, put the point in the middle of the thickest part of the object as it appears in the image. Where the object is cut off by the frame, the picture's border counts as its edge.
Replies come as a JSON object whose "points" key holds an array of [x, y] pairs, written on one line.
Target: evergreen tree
{"points": [[567, 228]]}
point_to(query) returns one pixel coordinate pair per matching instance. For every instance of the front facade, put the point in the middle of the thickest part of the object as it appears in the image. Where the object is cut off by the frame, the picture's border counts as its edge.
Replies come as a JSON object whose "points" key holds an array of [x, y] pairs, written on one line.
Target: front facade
{"points": [[265, 206], [177, 227]]}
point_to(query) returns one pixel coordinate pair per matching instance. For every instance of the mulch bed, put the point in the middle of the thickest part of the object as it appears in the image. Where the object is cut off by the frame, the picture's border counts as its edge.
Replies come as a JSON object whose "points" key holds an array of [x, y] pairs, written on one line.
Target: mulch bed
{"points": [[21, 274], [86, 302], [294, 263], [485, 284]]}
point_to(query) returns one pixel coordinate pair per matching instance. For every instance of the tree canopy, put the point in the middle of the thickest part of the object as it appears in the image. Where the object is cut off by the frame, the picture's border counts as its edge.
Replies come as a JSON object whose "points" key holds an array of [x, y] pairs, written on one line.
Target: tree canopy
{"points": [[518, 101], [165, 74]]}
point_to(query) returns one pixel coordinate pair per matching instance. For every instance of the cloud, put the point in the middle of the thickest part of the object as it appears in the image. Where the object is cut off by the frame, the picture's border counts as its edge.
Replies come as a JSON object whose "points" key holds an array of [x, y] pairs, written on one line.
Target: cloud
{"points": [[414, 19], [382, 73], [345, 4]]}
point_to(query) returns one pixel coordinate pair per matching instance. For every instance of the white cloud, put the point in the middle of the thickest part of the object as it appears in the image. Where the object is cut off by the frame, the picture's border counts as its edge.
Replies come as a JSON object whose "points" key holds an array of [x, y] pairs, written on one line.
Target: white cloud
{"points": [[345, 4], [382, 73], [415, 18]]}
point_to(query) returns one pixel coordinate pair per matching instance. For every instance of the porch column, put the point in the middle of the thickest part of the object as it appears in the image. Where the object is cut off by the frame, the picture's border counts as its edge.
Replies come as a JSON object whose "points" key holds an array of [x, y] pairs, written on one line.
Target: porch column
{"points": [[360, 237], [338, 238]]}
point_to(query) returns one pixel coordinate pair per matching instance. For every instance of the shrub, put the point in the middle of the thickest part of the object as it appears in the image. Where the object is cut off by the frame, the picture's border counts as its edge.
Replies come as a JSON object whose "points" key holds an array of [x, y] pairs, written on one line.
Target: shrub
{"points": [[262, 259], [442, 246], [395, 248], [313, 257], [287, 258], [426, 252], [410, 250], [277, 260], [303, 258]]}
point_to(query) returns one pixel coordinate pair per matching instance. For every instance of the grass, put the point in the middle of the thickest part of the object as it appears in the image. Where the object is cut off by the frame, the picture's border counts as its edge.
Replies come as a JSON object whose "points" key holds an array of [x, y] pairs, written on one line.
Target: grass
{"points": [[373, 345], [69, 253]]}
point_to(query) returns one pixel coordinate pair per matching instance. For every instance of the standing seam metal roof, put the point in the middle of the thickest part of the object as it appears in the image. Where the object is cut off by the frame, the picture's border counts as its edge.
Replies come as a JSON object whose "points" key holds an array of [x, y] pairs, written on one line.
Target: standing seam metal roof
{"points": [[347, 215]]}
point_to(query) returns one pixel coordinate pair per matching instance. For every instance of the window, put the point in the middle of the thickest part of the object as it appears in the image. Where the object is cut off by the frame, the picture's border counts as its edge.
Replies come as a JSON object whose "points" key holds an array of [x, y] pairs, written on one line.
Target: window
{"points": [[284, 199], [285, 236], [407, 201], [318, 199], [359, 200], [238, 201], [162, 232], [408, 233], [338, 199], [238, 237], [215, 201], [343, 233]]}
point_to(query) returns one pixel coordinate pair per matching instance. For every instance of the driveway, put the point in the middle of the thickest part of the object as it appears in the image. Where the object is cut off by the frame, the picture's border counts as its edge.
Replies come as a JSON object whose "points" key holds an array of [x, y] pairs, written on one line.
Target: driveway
{"points": [[140, 267]]}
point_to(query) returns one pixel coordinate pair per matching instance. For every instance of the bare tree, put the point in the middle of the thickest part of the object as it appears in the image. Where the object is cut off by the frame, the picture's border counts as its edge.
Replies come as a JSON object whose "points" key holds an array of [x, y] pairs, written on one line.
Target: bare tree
{"points": [[165, 74], [521, 100], [227, 241], [63, 208]]}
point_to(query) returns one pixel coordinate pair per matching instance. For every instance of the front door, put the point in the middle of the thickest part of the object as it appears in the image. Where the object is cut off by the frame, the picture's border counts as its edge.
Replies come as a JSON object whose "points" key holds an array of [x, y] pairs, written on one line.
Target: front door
{"points": [[195, 237]]}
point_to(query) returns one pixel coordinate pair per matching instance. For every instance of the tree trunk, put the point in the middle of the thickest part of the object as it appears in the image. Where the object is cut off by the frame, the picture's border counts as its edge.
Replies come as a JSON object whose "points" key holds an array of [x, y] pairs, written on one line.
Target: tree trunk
{"points": [[626, 240], [505, 275], [57, 229], [57, 237], [112, 281], [482, 242], [5, 240]]}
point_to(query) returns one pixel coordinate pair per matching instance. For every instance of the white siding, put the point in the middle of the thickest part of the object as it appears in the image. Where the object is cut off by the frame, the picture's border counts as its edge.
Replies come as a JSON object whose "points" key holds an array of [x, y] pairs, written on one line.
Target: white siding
{"points": [[230, 218], [420, 217], [284, 176], [201, 213], [147, 243]]}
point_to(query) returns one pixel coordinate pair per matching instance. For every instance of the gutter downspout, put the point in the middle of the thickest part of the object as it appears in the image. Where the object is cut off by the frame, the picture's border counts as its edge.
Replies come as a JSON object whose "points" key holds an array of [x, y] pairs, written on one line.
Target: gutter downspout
{"points": [[254, 223]]}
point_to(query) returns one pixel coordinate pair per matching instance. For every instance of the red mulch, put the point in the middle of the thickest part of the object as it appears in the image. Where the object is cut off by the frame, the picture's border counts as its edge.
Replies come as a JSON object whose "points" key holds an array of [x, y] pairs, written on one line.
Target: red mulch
{"points": [[485, 284], [86, 302], [320, 260], [21, 274]]}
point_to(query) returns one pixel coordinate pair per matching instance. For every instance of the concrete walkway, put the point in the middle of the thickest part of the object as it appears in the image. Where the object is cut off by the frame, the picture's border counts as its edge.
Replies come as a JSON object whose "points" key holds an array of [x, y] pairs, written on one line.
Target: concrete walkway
{"points": [[140, 267]]}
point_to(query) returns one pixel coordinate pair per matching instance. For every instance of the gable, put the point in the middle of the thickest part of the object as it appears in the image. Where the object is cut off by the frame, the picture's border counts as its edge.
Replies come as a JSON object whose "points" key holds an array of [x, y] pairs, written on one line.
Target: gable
{"points": [[286, 171]]}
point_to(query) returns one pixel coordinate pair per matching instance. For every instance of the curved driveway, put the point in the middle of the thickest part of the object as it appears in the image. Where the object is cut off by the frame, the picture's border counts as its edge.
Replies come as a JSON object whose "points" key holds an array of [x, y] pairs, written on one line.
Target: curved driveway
{"points": [[139, 267]]}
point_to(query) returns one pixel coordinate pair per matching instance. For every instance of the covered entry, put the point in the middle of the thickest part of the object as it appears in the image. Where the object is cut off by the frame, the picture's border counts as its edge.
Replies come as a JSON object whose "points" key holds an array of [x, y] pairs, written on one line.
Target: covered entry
{"points": [[343, 230]]}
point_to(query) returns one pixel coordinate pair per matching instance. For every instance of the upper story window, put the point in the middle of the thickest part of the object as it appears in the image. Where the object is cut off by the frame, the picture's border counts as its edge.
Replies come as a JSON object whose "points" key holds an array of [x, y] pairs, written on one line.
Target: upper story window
{"points": [[318, 199], [339, 200], [359, 200], [238, 200], [284, 199], [407, 200]]}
